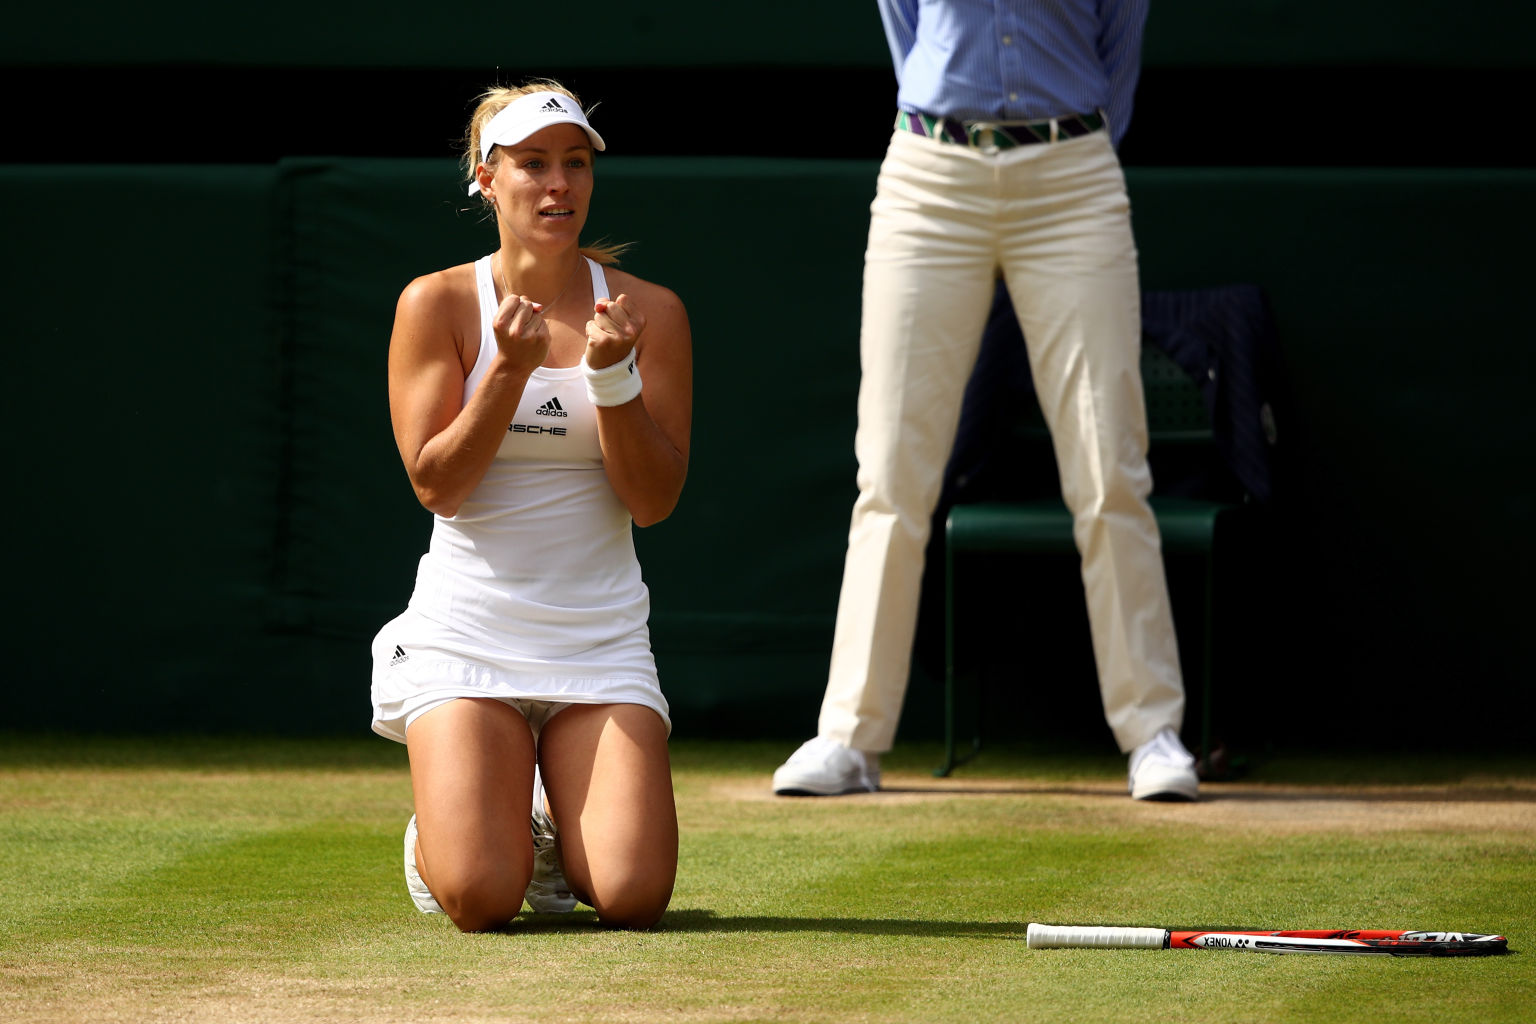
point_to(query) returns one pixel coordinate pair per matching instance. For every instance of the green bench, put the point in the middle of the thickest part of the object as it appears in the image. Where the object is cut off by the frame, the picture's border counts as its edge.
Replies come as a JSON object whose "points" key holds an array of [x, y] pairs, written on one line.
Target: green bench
{"points": [[1176, 416]]}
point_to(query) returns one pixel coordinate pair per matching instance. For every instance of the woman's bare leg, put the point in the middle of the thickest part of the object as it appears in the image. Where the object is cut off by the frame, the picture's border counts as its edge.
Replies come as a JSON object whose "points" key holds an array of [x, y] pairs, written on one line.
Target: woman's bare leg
{"points": [[472, 777], [608, 777]]}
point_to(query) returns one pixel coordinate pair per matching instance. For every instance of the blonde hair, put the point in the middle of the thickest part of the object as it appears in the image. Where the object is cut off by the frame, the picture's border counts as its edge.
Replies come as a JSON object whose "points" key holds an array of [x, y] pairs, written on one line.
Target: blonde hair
{"points": [[488, 105]]}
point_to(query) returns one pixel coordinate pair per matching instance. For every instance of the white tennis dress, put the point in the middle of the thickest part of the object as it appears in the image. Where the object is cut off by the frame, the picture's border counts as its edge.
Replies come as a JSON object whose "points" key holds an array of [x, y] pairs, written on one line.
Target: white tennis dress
{"points": [[532, 591]]}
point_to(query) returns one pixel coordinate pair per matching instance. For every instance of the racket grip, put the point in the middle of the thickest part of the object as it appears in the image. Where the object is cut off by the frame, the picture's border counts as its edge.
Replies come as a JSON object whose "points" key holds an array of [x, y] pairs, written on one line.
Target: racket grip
{"points": [[1046, 936]]}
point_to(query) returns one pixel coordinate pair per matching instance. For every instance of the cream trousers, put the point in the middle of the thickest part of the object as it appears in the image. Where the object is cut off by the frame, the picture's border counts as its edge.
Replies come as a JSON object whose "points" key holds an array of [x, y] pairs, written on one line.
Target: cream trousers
{"points": [[1054, 220]]}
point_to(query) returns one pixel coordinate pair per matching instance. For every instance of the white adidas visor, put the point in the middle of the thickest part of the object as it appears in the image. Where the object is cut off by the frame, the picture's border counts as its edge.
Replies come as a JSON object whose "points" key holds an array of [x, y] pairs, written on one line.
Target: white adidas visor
{"points": [[526, 115]]}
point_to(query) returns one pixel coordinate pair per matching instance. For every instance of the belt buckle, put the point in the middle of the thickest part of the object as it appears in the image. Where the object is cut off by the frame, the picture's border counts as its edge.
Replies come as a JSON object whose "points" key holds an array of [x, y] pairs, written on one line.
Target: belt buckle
{"points": [[977, 131]]}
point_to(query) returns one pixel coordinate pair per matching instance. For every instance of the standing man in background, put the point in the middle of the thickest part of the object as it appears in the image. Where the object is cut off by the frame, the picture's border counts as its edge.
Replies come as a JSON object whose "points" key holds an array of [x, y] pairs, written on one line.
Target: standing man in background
{"points": [[1003, 162]]}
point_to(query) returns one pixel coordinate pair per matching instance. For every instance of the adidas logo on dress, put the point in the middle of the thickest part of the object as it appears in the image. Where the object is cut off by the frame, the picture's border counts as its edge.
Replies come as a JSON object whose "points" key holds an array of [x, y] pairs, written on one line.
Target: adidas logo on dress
{"points": [[551, 408], [400, 656]]}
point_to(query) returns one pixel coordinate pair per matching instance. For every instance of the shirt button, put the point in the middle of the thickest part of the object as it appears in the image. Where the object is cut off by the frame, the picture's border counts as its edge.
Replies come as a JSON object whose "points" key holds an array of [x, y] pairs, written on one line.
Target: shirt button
{"points": [[1007, 40], [1013, 96]]}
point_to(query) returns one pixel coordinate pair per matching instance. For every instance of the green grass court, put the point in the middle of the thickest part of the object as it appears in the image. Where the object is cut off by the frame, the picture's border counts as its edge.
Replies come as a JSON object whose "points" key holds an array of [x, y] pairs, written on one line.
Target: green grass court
{"points": [[259, 880]]}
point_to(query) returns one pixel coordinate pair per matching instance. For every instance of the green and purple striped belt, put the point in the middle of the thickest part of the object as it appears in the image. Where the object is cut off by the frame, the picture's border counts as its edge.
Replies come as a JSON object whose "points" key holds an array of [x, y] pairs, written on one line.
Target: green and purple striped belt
{"points": [[996, 135]]}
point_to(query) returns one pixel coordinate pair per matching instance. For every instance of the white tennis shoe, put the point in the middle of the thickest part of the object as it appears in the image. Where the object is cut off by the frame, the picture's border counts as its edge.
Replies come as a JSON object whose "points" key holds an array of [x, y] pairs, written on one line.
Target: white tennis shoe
{"points": [[823, 767], [1161, 769], [420, 894], [547, 892]]}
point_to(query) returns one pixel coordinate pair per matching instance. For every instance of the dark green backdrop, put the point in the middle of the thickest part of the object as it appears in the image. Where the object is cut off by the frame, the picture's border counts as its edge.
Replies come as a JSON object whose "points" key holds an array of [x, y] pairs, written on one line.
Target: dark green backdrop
{"points": [[209, 519]]}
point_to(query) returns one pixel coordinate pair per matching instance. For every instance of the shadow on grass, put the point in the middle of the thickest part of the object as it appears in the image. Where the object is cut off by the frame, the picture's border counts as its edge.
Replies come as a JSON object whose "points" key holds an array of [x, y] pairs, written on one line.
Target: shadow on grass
{"points": [[702, 921], [708, 921]]}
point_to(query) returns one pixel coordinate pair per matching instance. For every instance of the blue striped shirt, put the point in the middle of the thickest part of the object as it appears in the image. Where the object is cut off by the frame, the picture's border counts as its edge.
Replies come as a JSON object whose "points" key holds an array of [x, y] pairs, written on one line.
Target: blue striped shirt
{"points": [[1016, 60]]}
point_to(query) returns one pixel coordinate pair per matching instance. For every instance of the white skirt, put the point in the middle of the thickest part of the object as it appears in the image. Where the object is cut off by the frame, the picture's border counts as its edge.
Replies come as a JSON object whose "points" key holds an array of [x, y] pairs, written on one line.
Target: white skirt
{"points": [[419, 663]]}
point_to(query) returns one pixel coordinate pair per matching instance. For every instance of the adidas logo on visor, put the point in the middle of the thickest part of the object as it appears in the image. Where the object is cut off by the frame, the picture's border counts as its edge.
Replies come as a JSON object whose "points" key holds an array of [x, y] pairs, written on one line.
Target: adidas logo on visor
{"points": [[552, 106]]}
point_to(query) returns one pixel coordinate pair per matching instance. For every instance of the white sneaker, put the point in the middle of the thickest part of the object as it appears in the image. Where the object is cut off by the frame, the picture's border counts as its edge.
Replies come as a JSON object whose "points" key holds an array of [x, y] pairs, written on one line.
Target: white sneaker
{"points": [[1161, 769], [420, 894], [823, 767], [547, 892]]}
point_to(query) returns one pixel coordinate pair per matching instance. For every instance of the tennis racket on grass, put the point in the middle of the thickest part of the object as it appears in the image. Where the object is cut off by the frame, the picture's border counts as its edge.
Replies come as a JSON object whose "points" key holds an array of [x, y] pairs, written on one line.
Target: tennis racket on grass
{"points": [[1350, 942]]}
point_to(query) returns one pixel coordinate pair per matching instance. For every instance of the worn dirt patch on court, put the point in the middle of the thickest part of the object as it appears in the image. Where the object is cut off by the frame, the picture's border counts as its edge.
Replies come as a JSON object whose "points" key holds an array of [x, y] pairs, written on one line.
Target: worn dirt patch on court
{"points": [[1485, 804]]}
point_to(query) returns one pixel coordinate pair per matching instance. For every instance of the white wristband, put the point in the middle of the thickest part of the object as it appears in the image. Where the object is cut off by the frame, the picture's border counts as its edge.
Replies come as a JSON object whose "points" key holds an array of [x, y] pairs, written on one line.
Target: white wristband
{"points": [[613, 385]]}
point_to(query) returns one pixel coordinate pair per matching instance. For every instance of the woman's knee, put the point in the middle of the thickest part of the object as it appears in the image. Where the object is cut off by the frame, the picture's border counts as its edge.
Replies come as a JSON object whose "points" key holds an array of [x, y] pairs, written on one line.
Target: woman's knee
{"points": [[480, 902], [637, 899], [633, 909]]}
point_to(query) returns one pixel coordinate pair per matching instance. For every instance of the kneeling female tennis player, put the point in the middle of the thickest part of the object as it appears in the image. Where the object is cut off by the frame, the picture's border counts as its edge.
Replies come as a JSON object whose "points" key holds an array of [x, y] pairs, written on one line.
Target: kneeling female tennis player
{"points": [[520, 676]]}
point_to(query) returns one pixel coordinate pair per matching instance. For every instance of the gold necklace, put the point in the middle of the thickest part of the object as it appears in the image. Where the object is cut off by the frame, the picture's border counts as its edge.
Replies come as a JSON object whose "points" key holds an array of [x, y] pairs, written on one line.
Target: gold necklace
{"points": [[507, 288]]}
